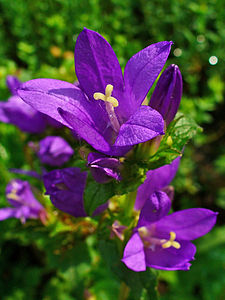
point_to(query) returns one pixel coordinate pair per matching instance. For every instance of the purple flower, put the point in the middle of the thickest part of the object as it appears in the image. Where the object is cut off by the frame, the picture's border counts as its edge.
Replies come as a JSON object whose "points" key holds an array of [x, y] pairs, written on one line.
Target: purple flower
{"points": [[16, 111], [117, 120], [54, 151], [66, 190], [103, 168], [162, 241], [167, 93], [156, 180], [20, 196]]}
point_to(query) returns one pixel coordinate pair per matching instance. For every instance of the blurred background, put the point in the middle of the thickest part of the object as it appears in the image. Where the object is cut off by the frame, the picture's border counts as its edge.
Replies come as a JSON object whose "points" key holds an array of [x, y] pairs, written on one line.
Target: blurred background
{"points": [[37, 40]]}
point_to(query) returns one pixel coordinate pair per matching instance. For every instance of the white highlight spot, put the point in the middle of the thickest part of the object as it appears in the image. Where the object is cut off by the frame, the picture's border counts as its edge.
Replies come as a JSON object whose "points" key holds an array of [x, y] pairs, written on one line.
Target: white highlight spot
{"points": [[213, 60]]}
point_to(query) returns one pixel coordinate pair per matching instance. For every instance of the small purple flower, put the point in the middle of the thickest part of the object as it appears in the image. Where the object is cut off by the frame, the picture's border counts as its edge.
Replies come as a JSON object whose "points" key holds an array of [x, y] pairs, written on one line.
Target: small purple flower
{"points": [[117, 120], [156, 180], [20, 196], [66, 190], [167, 93], [117, 230], [162, 241], [54, 151], [103, 168]]}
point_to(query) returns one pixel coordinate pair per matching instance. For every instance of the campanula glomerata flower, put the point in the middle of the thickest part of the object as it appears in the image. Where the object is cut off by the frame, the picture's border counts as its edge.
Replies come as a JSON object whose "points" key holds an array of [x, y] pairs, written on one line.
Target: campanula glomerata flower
{"points": [[66, 190], [167, 93], [162, 241], [25, 206], [103, 168], [105, 109], [156, 180], [54, 151]]}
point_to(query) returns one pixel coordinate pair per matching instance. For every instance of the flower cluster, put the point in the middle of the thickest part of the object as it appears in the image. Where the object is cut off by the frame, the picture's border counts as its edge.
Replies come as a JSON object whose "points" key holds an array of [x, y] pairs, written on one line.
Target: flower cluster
{"points": [[109, 116]]}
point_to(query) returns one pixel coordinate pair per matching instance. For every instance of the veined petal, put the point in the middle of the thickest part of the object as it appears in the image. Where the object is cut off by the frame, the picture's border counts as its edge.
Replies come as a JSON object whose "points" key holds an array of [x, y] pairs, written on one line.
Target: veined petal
{"points": [[96, 64], [156, 207], [171, 258], [47, 95], [145, 124], [85, 131], [167, 93], [142, 70], [134, 256], [156, 180], [188, 224]]}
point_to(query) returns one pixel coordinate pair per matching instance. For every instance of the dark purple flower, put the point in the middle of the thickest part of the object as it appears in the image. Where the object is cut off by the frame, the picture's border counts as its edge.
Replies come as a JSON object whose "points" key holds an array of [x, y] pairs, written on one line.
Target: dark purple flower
{"points": [[162, 241], [103, 168], [20, 196], [167, 93], [66, 190], [156, 180], [54, 151], [117, 120]]}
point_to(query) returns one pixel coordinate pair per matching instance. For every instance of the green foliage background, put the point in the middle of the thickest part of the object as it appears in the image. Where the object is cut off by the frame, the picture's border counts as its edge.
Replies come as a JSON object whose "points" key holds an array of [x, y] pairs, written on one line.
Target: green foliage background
{"points": [[37, 40]]}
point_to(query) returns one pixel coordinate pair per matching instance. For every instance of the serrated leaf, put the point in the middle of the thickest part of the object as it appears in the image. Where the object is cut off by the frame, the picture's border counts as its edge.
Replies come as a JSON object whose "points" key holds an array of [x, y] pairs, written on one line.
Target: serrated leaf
{"points": [[179, 132]]}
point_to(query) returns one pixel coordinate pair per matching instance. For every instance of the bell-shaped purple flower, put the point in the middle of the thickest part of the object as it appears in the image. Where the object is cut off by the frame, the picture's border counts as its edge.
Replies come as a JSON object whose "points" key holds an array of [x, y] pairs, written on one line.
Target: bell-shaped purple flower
{"points": [[105, 109], [167, 93], [25, 205], [103, 168], [54, 151], [66, 190], [156, 180], [162, 241]]}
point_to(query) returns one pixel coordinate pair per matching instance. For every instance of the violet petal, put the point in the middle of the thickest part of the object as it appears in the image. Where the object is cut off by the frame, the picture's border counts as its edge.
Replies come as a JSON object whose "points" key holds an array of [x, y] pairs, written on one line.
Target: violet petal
{"points": [[134, 256], [188, 224], [167, 93], [142, 70]]}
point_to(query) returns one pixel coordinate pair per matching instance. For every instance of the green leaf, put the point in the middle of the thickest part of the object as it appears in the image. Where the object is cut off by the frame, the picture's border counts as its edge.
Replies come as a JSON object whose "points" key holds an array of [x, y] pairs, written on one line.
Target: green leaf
{"points": [[141, 284], [96, 194], [178, 133]]}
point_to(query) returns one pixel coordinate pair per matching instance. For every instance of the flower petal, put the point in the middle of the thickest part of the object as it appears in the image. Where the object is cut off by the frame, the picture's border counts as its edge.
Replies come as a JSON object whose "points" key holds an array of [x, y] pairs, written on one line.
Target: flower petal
{"points": [[145, 124], [156, 180], [66, 188], [142, 70], [188, 224], [171, 258], [7, 212], [47, 95], [134, 256], [167, 93], [85, 131], [96, 64], [156, 207], [22, 115], [13, 84]]}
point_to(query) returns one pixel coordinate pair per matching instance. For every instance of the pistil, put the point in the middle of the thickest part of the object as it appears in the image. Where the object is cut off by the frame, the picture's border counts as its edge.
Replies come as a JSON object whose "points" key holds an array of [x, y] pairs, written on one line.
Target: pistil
{"points": [[110, 104]]}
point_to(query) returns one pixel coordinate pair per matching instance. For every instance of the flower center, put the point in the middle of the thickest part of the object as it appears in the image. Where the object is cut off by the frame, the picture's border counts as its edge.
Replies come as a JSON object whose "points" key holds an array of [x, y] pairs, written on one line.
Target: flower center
{"points": [[171, 242], [13, 195], [150, 241], [111, 103]]}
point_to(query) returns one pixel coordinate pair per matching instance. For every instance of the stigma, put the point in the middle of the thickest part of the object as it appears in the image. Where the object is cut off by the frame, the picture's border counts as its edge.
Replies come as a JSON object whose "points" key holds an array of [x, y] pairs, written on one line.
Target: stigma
{"points": [[107, 97], [171, 242], [13, 195]]}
